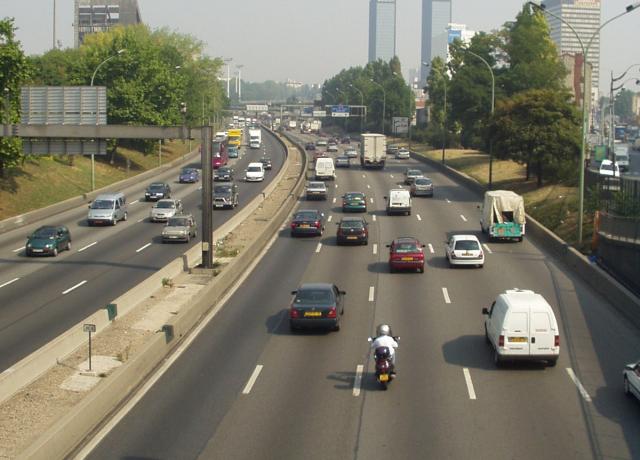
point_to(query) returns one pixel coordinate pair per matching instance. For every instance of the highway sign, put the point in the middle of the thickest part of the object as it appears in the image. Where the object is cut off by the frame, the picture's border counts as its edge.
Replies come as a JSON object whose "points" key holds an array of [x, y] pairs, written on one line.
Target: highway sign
{"points": [[63, 105], [340, 110], [319, 113], [257, 108]]}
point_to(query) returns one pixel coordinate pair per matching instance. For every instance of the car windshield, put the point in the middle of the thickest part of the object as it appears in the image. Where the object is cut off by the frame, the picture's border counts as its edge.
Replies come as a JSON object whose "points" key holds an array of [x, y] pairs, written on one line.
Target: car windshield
{"points": [[316, 185], [414, 172], [222, 189], [102, 204], [254, 169], [309, 215], [165, 204], [467, 245], [156, 187], [622, 157], [44, 233], [354, 196], [314, 296], [351, 224], [178, 222], [606, 167], [222, 171], [423, 182], [406, 247], [188, 171]]}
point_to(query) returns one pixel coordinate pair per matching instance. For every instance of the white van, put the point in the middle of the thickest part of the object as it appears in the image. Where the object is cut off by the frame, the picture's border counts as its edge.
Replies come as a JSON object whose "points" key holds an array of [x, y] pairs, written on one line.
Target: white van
{"points": [[398, 202], [325, 169], [520, 325], [621, 155], [107, 208], [254, 172]]}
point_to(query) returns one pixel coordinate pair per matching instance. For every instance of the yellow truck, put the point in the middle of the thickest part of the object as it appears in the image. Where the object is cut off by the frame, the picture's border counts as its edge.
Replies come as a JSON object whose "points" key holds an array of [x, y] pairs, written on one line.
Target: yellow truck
{"points": [[235, 137]]}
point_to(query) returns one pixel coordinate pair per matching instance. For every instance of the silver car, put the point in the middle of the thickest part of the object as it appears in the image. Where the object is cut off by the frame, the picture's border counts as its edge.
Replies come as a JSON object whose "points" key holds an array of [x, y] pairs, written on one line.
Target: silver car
{"points": [[631, 379], [410, 175], [316, 190], [180, 228], [164, 209], [422, 186]]}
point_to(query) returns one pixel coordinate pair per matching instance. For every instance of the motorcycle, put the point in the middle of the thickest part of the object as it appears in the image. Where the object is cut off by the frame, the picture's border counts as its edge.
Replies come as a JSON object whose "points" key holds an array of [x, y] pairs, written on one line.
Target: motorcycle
{"points": [[385, 370]]}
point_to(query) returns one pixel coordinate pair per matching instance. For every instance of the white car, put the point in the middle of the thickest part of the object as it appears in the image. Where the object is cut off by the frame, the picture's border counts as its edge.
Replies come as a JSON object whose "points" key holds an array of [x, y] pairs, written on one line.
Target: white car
{"points": [[464, 250], [631, 379], [254, 172], [402, 154], [332, 148], [607, 168], [162, 210], [351, 152]]}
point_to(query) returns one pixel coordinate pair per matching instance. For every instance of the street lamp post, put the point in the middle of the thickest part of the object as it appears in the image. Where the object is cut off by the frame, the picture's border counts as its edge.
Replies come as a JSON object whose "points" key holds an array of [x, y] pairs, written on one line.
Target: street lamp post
{"points": [[611, 105], [93, 160], [444, 113], [384, 102], [362, 120], [585, 51], [228, 62], [239, 67], [493, 105]]}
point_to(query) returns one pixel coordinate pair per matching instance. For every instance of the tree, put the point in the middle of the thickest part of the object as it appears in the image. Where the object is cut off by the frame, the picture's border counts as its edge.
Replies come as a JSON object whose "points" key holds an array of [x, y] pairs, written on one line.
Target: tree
{"points": [[539, 128], [14, 71], [623, 106]]}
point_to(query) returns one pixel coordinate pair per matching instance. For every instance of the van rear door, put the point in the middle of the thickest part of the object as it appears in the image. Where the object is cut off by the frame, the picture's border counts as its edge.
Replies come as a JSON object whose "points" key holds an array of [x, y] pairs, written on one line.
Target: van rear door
{"points": [[517, 333], [542, 336]]}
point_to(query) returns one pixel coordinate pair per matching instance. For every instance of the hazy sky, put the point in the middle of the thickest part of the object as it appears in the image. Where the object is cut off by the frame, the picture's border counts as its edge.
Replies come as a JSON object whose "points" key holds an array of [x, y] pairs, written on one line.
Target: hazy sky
{"points": [[308, 40]]}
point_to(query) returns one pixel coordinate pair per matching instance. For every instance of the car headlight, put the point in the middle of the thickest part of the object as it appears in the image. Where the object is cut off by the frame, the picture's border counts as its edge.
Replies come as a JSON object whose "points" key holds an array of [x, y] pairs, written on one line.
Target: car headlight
{"points": [[29, 245]]}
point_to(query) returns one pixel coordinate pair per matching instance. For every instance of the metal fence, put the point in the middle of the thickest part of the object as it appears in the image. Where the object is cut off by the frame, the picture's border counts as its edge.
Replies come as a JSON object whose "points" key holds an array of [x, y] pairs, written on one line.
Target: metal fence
{"points": [[620, 195], [616, 227]]}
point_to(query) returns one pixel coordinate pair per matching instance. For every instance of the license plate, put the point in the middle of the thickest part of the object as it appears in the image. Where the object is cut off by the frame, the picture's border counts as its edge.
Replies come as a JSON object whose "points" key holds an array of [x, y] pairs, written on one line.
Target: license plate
{"points": [[407, 258], [352, 237], [304, 226], [312, 314], [384, 377], [518, 339], [36, 250], [467, 254]]}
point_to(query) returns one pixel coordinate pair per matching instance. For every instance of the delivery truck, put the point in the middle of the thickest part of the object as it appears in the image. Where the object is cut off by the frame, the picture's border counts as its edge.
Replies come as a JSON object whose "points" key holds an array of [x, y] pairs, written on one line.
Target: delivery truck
{"points": [[255, 138], [503, 215], [373, 148]]}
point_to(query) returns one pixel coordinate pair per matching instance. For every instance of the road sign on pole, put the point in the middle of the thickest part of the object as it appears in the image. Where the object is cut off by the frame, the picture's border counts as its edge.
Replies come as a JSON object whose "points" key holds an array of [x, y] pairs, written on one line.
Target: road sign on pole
{"points": [[89, 328], [400, 125]]}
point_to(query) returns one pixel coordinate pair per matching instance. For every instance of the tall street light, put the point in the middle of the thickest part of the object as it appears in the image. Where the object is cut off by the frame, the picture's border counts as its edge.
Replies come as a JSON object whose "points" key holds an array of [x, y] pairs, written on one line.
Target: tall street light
{"points": [[585, 52], [239, 81], [351, 85], [384, 102], [611, 103], [93, 160], [493, 105], [444, 110], [227, 61]]}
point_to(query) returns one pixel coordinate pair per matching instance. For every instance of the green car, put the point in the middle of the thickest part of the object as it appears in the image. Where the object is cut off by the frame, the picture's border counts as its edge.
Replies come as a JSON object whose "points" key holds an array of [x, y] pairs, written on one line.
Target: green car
{"points": [[48, 241], [354, 202]]}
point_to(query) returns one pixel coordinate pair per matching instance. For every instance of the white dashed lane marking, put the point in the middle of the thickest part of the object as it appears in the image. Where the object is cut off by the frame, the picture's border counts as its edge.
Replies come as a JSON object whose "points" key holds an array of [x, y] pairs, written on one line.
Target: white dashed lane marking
{"points": [[87, 246], [463, 217], [334, 200], [74, 287], [357, 382], [329, 218], [373, 217], [391, 175], [9, 282], [368, 186], [375, 248], [486, 246], [143, 247], [19, 249], [134, 202], [447, 200], [318, 248], [140, 220], [467, 378], [576, 381], [364, 175], [371, 200], [418, 217], [445, 293], [252, 379], [431, 248], [336, 185], [371, 293]]}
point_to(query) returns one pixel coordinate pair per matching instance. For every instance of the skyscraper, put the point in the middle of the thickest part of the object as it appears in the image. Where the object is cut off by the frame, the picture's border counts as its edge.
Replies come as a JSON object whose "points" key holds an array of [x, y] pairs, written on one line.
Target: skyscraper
{"points": [[436, 16], [584, 17], [382, 29], [93, 16]]}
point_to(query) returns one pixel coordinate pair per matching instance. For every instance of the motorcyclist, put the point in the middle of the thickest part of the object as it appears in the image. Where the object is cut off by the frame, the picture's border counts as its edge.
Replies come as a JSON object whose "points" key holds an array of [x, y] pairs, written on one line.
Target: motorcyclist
{"points": [[385, 339]]}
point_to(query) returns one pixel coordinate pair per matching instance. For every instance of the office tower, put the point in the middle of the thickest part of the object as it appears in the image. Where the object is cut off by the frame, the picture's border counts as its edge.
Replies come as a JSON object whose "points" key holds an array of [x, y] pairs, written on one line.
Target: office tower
{"points": [[458, 32], [584, 17], [93, 16], [436, 16], [382, 29]]}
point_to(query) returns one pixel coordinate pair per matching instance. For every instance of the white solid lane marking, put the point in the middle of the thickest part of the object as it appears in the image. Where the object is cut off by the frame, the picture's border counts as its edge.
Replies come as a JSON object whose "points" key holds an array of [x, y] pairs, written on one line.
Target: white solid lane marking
{"points": [[431, 249], [418, 216], [358, 380], [252, 379], [334, 200], [375, 248], [463, 217], [318, 248], [373, 217], [486, 246], [329, 218], [371, 293], [467, 378], [445, 293], [581, 389], [74, 287], [143, 247], [87, 246], [19, 249], [9, 282], [134, 202]]}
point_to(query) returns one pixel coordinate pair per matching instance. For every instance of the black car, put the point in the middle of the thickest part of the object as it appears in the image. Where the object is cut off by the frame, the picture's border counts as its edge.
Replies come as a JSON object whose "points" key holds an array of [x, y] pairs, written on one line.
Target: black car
{"points": [[307, 222], [48, 241], [157, 191], [223, 174], [343, 162], [346, 140], [225, 196], [316, 305], [310, 146], [352, 230], [266, 162]]}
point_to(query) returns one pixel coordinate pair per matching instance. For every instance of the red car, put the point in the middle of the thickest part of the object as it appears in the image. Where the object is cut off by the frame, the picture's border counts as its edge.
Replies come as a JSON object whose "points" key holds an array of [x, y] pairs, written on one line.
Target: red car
{"points": [[406, 254]]}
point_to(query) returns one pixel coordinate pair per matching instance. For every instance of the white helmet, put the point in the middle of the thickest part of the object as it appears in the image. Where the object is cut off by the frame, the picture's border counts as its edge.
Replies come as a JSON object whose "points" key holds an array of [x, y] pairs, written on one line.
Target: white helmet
{"points": [[383, 329]]}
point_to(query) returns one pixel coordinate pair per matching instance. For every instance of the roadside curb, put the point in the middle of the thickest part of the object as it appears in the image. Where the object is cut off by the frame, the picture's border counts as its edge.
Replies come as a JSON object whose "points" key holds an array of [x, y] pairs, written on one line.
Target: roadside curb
{"points": [[30, 217], [59, 440], [624, 300]]}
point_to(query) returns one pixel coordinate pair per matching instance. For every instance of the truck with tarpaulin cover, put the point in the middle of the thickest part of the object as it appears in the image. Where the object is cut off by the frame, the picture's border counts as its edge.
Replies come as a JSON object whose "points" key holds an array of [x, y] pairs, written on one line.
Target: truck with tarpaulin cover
{"points": [[503, 215]]}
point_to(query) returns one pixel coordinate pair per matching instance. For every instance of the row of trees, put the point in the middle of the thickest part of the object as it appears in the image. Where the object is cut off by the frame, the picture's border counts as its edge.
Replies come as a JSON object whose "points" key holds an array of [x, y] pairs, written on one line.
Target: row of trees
{"points": [[379, 86], [535, 122], [157, 74]]}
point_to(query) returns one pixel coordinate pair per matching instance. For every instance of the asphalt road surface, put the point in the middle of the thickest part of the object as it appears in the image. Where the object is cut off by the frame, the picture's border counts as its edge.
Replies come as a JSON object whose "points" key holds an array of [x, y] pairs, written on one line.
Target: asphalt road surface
{"points": [[247, 388], [41, 297]]}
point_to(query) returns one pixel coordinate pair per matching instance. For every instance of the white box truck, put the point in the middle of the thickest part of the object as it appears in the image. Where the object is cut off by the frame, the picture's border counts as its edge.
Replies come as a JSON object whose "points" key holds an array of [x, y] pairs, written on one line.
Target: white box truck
{"points": [[373, 150], [255, 138]]}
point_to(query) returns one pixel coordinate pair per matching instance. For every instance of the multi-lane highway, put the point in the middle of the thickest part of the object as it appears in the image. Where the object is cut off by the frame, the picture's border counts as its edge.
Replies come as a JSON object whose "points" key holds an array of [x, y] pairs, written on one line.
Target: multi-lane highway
{"points": [[42, 297], [247, 388]]}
